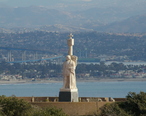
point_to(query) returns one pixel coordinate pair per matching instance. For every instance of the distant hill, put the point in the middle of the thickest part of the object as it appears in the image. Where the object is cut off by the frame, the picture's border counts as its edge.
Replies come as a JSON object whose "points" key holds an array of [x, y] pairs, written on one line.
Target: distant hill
{"points": [[30, 16], [39, 16], [135, 24], [104, 19], [62, 28]]}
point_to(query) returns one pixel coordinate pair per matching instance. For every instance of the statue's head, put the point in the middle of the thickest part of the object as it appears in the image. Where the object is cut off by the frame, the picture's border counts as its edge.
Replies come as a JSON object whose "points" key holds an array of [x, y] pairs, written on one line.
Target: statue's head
{"points": [[68, 57]]}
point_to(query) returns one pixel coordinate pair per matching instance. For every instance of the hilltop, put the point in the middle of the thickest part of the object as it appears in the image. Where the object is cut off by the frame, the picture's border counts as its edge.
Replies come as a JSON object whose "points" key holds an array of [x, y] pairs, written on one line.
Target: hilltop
{"points": [[135, 24], [123, 16]]}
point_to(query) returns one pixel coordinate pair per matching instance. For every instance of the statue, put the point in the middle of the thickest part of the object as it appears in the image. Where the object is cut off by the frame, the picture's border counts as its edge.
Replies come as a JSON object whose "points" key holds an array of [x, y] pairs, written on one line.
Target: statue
{"points": [[69, 67], [69, 91]]}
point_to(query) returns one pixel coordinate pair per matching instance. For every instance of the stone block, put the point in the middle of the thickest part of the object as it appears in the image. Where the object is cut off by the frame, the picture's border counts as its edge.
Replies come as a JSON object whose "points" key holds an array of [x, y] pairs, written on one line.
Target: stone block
{"points": [[68, 96]]}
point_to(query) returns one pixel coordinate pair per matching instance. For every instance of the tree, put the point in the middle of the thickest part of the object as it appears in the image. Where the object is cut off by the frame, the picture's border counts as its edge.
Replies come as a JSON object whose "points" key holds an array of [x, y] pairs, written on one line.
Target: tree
{"points": [[11, 106], [135, 105]]}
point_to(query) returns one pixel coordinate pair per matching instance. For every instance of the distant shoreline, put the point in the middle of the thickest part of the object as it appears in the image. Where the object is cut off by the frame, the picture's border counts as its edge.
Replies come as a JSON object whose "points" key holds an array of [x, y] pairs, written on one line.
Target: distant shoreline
{"points": [[78, 80], [113, 80]]}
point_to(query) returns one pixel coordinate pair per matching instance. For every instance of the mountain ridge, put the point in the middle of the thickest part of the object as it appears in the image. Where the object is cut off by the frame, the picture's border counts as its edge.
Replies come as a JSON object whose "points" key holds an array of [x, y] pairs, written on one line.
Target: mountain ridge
{"points": [[134, 24], [111, 19]]}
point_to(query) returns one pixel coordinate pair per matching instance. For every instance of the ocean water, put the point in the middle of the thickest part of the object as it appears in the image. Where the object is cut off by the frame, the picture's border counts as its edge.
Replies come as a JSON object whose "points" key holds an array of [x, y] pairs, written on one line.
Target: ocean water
{"points": [[86, 89]]}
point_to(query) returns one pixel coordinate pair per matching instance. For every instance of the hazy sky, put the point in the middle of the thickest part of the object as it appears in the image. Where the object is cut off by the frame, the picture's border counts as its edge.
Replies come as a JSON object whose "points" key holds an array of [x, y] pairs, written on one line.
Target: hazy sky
{"points": [[38, 2], [18, 3]]}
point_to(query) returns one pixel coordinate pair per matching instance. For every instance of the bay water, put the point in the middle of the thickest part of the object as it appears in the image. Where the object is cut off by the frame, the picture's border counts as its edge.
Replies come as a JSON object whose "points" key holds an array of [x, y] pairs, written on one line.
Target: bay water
{"points": [[86, 89]]}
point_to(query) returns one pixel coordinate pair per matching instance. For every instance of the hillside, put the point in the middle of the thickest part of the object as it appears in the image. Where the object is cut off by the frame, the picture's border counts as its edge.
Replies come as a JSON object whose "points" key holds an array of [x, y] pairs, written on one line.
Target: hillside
{"points": [[30, 16], [135, 24], [88, 44], [112, 18]]}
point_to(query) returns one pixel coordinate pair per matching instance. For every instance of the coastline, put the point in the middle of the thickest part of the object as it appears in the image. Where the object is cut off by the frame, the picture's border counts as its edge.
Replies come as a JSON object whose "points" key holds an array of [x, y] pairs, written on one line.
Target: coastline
{"points": [[78, 80], [113, 80]]}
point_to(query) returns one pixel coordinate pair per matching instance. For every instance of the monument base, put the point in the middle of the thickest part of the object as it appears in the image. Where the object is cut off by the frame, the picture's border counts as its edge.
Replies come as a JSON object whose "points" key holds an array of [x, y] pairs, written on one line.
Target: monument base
{"points": [[68, 95]]}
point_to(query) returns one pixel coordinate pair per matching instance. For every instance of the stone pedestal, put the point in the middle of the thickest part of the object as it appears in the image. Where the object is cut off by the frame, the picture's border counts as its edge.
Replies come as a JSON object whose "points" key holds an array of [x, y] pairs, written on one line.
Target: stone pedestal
{"points": [[68, 95]]}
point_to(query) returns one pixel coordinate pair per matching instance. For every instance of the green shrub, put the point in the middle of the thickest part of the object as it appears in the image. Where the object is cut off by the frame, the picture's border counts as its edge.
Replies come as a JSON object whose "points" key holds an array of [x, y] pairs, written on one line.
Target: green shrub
{"points": [[11, 106], [112, 109], [135, 105]]}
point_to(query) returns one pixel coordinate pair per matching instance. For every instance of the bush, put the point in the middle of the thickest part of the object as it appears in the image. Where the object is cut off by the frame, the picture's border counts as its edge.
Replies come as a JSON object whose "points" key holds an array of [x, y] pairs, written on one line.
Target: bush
{"points": [[11, 106], [112, 109], [135, 105]]}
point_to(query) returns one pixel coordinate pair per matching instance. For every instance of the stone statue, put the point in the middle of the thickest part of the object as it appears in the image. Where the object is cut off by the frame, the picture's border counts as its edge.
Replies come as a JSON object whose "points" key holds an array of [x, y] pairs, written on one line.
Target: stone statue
{"points": [[69, 67], [69, 91]]}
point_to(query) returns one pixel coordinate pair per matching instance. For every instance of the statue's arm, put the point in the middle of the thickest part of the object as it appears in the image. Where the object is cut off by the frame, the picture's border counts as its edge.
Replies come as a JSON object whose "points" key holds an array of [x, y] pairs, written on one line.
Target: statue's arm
{"points": [[74, 58]]}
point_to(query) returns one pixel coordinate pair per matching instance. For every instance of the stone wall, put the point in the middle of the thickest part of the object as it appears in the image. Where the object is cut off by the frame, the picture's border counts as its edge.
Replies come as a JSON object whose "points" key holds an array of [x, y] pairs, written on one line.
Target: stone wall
{"points": [[39, 99], [81, 99], [85, 106], [74, 108]]}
